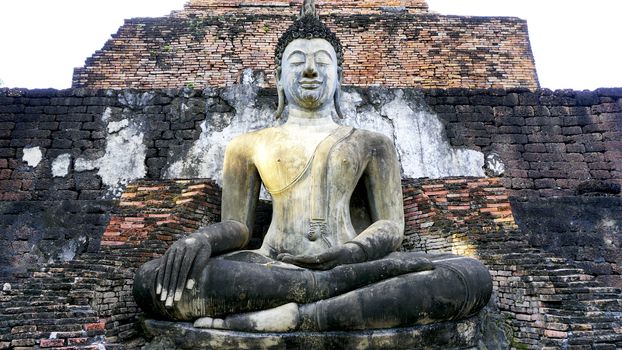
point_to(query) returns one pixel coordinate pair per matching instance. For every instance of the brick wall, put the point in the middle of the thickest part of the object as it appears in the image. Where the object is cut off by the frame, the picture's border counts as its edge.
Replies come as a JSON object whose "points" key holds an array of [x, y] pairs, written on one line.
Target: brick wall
{"points": [[549, 142], [206, 46], [546, 301], [181, 206], [583, 229], [36, 231], [293, 7], [443, 215], [87, 303], [70, 122], [542, 299]]}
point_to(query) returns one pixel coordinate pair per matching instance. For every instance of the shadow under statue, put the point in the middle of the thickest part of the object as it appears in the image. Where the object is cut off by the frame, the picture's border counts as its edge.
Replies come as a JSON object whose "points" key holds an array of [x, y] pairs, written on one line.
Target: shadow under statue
{"points": [[328, 261]]}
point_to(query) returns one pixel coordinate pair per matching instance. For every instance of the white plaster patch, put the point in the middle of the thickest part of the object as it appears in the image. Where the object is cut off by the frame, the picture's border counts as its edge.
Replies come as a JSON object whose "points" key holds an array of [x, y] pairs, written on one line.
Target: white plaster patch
{"points": [[107, 114], [419, 137], [494, 165], [124, 160], [367, 119], [205, 157], [68, 251], [116, 126], [32, 156], [252, 77], [60, 165], [247, 76]]}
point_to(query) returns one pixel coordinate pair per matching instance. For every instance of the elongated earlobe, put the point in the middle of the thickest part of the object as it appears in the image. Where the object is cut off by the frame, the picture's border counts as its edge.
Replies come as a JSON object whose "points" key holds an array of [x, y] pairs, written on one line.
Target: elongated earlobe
{"points": [[281, 94], [281, 107], [338, 94], [338, 101]]}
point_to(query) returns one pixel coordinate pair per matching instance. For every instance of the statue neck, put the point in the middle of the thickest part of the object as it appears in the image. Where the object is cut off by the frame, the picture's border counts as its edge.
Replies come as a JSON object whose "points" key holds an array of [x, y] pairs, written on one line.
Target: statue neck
{"points": [[322, 117]]}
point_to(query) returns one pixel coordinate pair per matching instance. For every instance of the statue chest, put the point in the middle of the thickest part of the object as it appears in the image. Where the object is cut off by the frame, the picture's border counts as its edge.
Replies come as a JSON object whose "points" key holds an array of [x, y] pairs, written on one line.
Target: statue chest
{"points": [[282, 165], [336, 164]]}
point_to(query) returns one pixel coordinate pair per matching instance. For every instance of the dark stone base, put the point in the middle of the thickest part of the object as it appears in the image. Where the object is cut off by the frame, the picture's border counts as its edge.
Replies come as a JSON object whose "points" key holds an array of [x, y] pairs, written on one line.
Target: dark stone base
{"points": [[458, 335]]}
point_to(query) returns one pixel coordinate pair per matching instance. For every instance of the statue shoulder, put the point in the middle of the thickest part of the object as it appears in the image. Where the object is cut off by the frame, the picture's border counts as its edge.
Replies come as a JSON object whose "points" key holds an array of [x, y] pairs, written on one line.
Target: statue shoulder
{"points": [[373, 138], [246, 143], [379, 146]]}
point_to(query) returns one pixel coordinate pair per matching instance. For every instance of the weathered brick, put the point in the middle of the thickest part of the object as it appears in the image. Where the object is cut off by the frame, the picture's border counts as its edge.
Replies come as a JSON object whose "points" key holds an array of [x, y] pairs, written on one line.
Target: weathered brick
{"points": [[544, 183], [99, 326], [573, 130], [535, 147], [7, 125], [51, 343], [22, 342], [77, 341]]}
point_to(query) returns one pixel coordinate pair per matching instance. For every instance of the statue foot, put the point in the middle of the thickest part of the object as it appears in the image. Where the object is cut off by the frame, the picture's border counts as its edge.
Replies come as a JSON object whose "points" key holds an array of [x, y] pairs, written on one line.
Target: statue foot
{"points": [[283, 318]]}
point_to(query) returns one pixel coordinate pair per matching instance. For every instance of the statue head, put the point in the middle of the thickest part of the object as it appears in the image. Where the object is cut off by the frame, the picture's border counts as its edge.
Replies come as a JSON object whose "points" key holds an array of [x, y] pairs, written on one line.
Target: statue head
{"points": [[309, 58]]}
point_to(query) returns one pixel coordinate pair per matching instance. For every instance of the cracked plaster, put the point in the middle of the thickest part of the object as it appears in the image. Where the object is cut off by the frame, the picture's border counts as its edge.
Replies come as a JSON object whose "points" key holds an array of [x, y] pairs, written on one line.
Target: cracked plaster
{"points": [[124, 160], [419, 135]]}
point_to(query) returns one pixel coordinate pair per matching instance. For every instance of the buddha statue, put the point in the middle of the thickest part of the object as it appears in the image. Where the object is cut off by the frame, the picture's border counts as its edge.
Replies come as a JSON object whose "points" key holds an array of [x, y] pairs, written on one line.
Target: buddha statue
{"points": [[328, 260]]}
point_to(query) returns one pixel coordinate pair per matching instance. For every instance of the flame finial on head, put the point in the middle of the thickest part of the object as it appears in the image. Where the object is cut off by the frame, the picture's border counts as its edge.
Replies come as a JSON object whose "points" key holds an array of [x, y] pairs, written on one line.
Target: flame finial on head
{"points": [[308, 9]]}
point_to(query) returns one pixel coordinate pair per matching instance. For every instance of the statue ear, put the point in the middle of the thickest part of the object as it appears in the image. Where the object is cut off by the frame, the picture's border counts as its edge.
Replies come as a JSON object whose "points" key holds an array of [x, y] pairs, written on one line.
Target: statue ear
{"points": [[277, 75], [281, 94], [338, 93]]}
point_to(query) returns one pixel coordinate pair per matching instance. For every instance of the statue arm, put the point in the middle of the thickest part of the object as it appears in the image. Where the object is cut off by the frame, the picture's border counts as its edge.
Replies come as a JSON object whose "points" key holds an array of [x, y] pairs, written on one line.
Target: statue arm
{"points": [[241, 190], [384, 191], [241, 184]]}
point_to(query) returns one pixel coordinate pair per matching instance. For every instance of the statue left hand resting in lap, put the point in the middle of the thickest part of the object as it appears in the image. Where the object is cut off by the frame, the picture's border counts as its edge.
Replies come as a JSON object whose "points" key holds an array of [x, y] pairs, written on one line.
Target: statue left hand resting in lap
{"points": [[328, 260]]}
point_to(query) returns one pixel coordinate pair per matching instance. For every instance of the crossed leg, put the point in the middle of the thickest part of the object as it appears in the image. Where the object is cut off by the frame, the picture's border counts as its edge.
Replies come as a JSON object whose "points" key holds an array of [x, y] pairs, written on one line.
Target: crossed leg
{"points": [[227, 286], [456, 288]]}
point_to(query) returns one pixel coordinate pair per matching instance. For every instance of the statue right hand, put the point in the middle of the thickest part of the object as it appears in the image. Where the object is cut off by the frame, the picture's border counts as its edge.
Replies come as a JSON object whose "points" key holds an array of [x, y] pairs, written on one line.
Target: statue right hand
{"points": [[176, 264]]}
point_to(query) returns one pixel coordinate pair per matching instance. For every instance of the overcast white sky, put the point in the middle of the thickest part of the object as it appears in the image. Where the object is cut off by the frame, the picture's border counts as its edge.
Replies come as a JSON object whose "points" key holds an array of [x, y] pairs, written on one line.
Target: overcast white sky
{"points": [[576, 44]]}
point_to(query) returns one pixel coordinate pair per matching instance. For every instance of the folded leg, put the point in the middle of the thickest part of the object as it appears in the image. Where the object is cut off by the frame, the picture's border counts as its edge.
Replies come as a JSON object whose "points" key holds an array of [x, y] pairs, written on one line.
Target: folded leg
{"points": [[455, 289], [225, 287]]}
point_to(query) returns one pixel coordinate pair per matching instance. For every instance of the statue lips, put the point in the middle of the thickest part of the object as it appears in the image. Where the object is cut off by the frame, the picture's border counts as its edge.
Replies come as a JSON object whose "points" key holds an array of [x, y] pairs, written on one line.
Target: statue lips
{"points": [[310, 84]]}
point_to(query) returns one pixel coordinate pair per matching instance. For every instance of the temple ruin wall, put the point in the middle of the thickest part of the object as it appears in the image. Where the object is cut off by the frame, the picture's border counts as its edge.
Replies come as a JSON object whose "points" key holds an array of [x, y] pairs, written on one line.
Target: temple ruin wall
{"points": [[203, 47], [66, 155]]}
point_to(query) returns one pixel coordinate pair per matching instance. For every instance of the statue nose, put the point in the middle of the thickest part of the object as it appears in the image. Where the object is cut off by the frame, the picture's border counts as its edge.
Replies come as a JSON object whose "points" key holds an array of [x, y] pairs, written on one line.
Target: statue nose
{"points": [[310, 69]]}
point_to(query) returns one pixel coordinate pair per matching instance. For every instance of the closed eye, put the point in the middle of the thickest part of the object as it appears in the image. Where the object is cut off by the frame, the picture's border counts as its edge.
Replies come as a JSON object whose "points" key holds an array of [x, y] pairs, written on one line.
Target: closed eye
{"points": [[296, 58], [323, 58]]}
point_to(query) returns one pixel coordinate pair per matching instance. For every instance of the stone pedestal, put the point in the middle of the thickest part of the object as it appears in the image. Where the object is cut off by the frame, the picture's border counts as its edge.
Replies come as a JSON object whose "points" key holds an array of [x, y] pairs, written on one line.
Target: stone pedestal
{"points": [[458, 335]]}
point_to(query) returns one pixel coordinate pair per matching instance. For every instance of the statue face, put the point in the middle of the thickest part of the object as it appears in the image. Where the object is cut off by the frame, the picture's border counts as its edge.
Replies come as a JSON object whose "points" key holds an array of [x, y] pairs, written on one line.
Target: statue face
{"points": [[309, 73]]}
